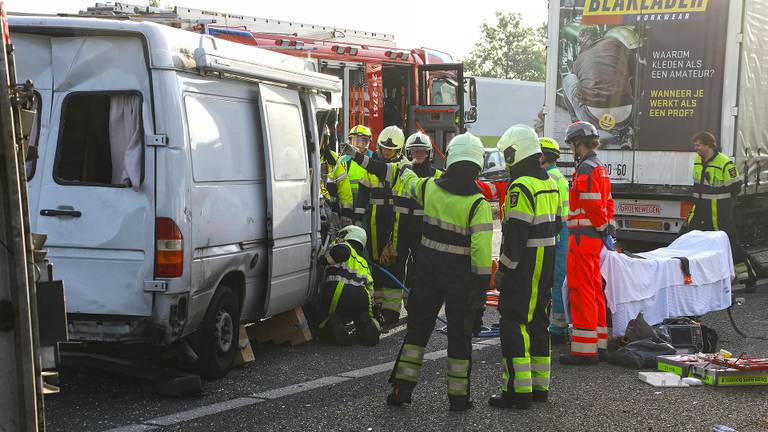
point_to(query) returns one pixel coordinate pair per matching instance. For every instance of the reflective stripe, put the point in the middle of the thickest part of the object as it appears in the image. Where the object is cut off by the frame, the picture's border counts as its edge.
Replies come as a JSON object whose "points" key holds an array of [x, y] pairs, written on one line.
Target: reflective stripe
{"points": [[402, 210], [590, 196], [550, 241], [458, 386], [602, 227], [377, 201], [480, 228], [442, 247], [359, 210], [517, 214], [329, 258], [583, 348], [579, 222], [540, 382], [544, 218], [445, 225], [508, 263], [418, 212], [602, 330], [602, 343], [481, 270], [712, 196], [340, 177], [459, 368], [354, 181], [585, 333], [390, 293], [365, 161], [339, 278], [576, 212]]}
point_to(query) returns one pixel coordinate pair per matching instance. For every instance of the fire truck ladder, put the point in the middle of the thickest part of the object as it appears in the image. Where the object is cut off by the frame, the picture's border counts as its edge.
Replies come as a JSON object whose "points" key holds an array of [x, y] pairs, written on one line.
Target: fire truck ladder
{"points": [[190, 18]]}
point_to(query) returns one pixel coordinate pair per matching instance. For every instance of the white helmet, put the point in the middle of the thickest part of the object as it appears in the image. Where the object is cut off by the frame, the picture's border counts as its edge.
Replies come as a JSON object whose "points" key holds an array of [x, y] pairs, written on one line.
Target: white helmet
{"points": [[418, 141], [353, 233]]}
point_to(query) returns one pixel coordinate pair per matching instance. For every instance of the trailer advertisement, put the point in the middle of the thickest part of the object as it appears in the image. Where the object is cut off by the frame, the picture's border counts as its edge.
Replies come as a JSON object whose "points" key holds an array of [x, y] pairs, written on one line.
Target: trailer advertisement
{"points": [[647, 73]]}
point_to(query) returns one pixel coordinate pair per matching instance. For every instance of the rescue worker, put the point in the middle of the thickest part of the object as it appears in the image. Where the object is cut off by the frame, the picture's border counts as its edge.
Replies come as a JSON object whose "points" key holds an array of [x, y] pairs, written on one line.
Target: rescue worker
{"points": [[716, 183], [337, 185], [374, 211], [558, 328], [590, 227], [360, 138], [454, 268], [532, 216], [408, 212], [348, 290]]}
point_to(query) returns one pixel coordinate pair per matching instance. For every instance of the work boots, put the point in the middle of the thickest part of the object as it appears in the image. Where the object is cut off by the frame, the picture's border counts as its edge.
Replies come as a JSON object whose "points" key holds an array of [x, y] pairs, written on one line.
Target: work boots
{"points": [[602, 355], [569, 359], [540, 396], [399, 397], [459, 403], [389, 317], [508, 400]]}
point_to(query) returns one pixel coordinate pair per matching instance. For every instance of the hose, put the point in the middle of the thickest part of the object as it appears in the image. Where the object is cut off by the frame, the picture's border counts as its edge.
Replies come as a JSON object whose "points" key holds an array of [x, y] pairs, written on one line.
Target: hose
{"points": [[738, 330], [484, 331]]}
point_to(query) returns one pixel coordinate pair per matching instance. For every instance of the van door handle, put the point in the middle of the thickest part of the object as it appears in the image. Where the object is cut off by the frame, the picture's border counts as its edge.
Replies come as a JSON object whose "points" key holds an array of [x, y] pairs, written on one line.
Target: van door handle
{"points": [[307, 206], [57, 212]]}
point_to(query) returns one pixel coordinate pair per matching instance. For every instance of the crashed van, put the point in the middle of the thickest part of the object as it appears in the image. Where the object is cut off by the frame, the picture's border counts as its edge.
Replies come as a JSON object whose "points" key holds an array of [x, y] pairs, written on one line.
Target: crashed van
{"points": [[176, 178]]}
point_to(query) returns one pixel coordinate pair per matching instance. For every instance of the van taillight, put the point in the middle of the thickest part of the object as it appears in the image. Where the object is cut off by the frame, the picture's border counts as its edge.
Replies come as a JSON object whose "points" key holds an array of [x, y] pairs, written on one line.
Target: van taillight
{"points": [[169, 249]]}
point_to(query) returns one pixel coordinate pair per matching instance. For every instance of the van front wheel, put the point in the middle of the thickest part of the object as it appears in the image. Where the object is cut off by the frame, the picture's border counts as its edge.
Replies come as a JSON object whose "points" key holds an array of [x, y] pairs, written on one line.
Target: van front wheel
{"points": [[217, 339]]}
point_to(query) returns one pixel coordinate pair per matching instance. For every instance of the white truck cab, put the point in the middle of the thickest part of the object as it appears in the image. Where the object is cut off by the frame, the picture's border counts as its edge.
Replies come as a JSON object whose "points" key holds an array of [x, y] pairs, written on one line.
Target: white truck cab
{"points": [[176, 178]]}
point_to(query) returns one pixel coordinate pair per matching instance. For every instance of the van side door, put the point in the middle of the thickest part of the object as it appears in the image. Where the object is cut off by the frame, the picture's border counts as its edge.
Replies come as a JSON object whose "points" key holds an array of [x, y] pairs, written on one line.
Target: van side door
{"points": [[289, 201]]}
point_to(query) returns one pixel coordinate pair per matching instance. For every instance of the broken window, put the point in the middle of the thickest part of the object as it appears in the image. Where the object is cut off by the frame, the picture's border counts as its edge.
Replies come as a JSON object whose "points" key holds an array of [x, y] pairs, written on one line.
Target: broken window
{"points": [[101, 141]]}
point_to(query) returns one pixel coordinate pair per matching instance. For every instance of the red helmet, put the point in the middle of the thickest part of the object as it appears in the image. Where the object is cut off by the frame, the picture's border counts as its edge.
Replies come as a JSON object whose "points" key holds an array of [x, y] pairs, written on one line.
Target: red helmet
{"points": [[580, 129]]}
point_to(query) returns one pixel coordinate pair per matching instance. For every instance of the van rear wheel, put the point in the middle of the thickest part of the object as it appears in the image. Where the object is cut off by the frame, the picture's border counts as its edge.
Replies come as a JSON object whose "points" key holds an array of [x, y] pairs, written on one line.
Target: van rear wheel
{"points": [[217, 339]]}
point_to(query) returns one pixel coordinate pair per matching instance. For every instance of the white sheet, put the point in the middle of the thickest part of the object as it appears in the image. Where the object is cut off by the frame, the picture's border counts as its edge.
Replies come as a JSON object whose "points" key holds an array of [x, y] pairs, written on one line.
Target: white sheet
{"points": [[655, 285]]}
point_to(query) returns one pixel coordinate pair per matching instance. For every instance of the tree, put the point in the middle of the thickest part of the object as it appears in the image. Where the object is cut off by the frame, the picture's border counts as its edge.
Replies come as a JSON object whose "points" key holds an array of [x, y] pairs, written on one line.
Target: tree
{"points": [[509, 50]]}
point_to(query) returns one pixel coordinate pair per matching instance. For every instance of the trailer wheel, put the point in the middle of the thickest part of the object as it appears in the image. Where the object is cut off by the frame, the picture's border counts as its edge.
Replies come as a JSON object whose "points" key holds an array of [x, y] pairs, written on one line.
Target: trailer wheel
{"points": [[217, 339]]}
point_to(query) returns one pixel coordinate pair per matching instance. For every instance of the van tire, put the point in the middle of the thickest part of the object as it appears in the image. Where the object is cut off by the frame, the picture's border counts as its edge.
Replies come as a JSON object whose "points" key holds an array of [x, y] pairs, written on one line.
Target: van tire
{"points": [[218, 338]]}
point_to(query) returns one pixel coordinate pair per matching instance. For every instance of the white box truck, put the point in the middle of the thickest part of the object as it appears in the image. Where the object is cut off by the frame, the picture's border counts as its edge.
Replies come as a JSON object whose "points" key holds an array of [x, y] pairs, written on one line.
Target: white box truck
{"points": [[176, 179], [650, 75], [502, 103]]}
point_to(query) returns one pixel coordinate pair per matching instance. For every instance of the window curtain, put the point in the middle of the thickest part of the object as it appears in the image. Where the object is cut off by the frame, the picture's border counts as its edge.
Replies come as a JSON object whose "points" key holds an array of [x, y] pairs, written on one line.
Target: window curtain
{"points": [[125, 138]]}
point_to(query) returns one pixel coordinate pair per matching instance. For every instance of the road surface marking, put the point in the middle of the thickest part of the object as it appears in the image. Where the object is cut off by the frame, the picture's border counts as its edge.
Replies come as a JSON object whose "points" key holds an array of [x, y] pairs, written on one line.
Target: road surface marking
{"points": [[219, 407]]}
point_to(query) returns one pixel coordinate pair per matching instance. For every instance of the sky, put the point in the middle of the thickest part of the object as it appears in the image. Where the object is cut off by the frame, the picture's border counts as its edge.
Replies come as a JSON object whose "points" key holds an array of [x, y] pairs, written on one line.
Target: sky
{"points": [[448, 26]]}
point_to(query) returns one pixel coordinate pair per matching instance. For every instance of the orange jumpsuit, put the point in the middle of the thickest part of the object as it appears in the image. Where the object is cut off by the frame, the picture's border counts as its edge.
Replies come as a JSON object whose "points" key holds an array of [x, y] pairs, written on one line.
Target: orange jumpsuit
{"points": [[589, 218]]}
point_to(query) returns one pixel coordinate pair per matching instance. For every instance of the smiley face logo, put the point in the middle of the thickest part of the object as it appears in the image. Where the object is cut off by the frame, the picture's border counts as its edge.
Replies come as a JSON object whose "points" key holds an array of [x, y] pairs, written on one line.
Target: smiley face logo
{"points": [[607, 122]]}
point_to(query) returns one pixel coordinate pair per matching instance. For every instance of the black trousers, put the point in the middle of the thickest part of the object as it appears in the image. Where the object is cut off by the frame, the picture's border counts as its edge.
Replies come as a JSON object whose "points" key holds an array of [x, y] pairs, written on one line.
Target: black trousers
{"points": [[355, 305], [433, 288]]}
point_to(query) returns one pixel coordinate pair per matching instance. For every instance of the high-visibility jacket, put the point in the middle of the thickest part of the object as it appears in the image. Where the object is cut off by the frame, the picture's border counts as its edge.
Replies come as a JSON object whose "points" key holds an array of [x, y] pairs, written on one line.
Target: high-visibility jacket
{"points": [[338, 187], [532, 220], [408, 212], [716, 184], [355, 172], [557, 312], [373, 207], [590, 200], [348, 269]]}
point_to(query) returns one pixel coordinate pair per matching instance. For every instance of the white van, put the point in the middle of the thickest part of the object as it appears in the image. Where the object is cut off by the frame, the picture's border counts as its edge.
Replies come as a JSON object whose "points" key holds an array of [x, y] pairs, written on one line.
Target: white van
{"points": [[176, 179]]}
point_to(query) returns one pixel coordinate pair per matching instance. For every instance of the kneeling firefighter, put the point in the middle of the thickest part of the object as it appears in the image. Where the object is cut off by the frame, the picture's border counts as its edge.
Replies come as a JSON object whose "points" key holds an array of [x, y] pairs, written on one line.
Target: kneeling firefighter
{"points": [[532, 218], [454, 266], [374, 211], [347, 291]]}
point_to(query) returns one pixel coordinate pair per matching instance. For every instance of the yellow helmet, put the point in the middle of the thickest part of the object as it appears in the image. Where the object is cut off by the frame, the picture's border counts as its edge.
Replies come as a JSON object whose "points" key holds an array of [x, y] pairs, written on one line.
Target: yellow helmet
{"points": [[518, 143], [549, 146], [360, 130]]}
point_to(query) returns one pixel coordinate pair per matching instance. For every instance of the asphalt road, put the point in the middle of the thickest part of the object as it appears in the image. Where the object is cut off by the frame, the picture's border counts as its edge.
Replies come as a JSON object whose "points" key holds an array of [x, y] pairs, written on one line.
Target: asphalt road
{"points": [[603, 398]]}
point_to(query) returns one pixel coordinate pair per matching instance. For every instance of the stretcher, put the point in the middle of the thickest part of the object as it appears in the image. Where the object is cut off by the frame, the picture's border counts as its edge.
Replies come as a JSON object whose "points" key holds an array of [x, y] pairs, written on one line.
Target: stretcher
{"points": [[656, 284]]}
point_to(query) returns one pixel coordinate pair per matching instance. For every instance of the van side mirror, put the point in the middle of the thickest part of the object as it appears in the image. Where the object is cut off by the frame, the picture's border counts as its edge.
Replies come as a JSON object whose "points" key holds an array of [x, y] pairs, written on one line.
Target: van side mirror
{"points": [[470, 88]]}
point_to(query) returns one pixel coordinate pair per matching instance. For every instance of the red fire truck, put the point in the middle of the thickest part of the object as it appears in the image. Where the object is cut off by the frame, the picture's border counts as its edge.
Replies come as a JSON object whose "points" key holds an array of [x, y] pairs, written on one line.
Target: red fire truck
{"points": [[415, 89]]}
